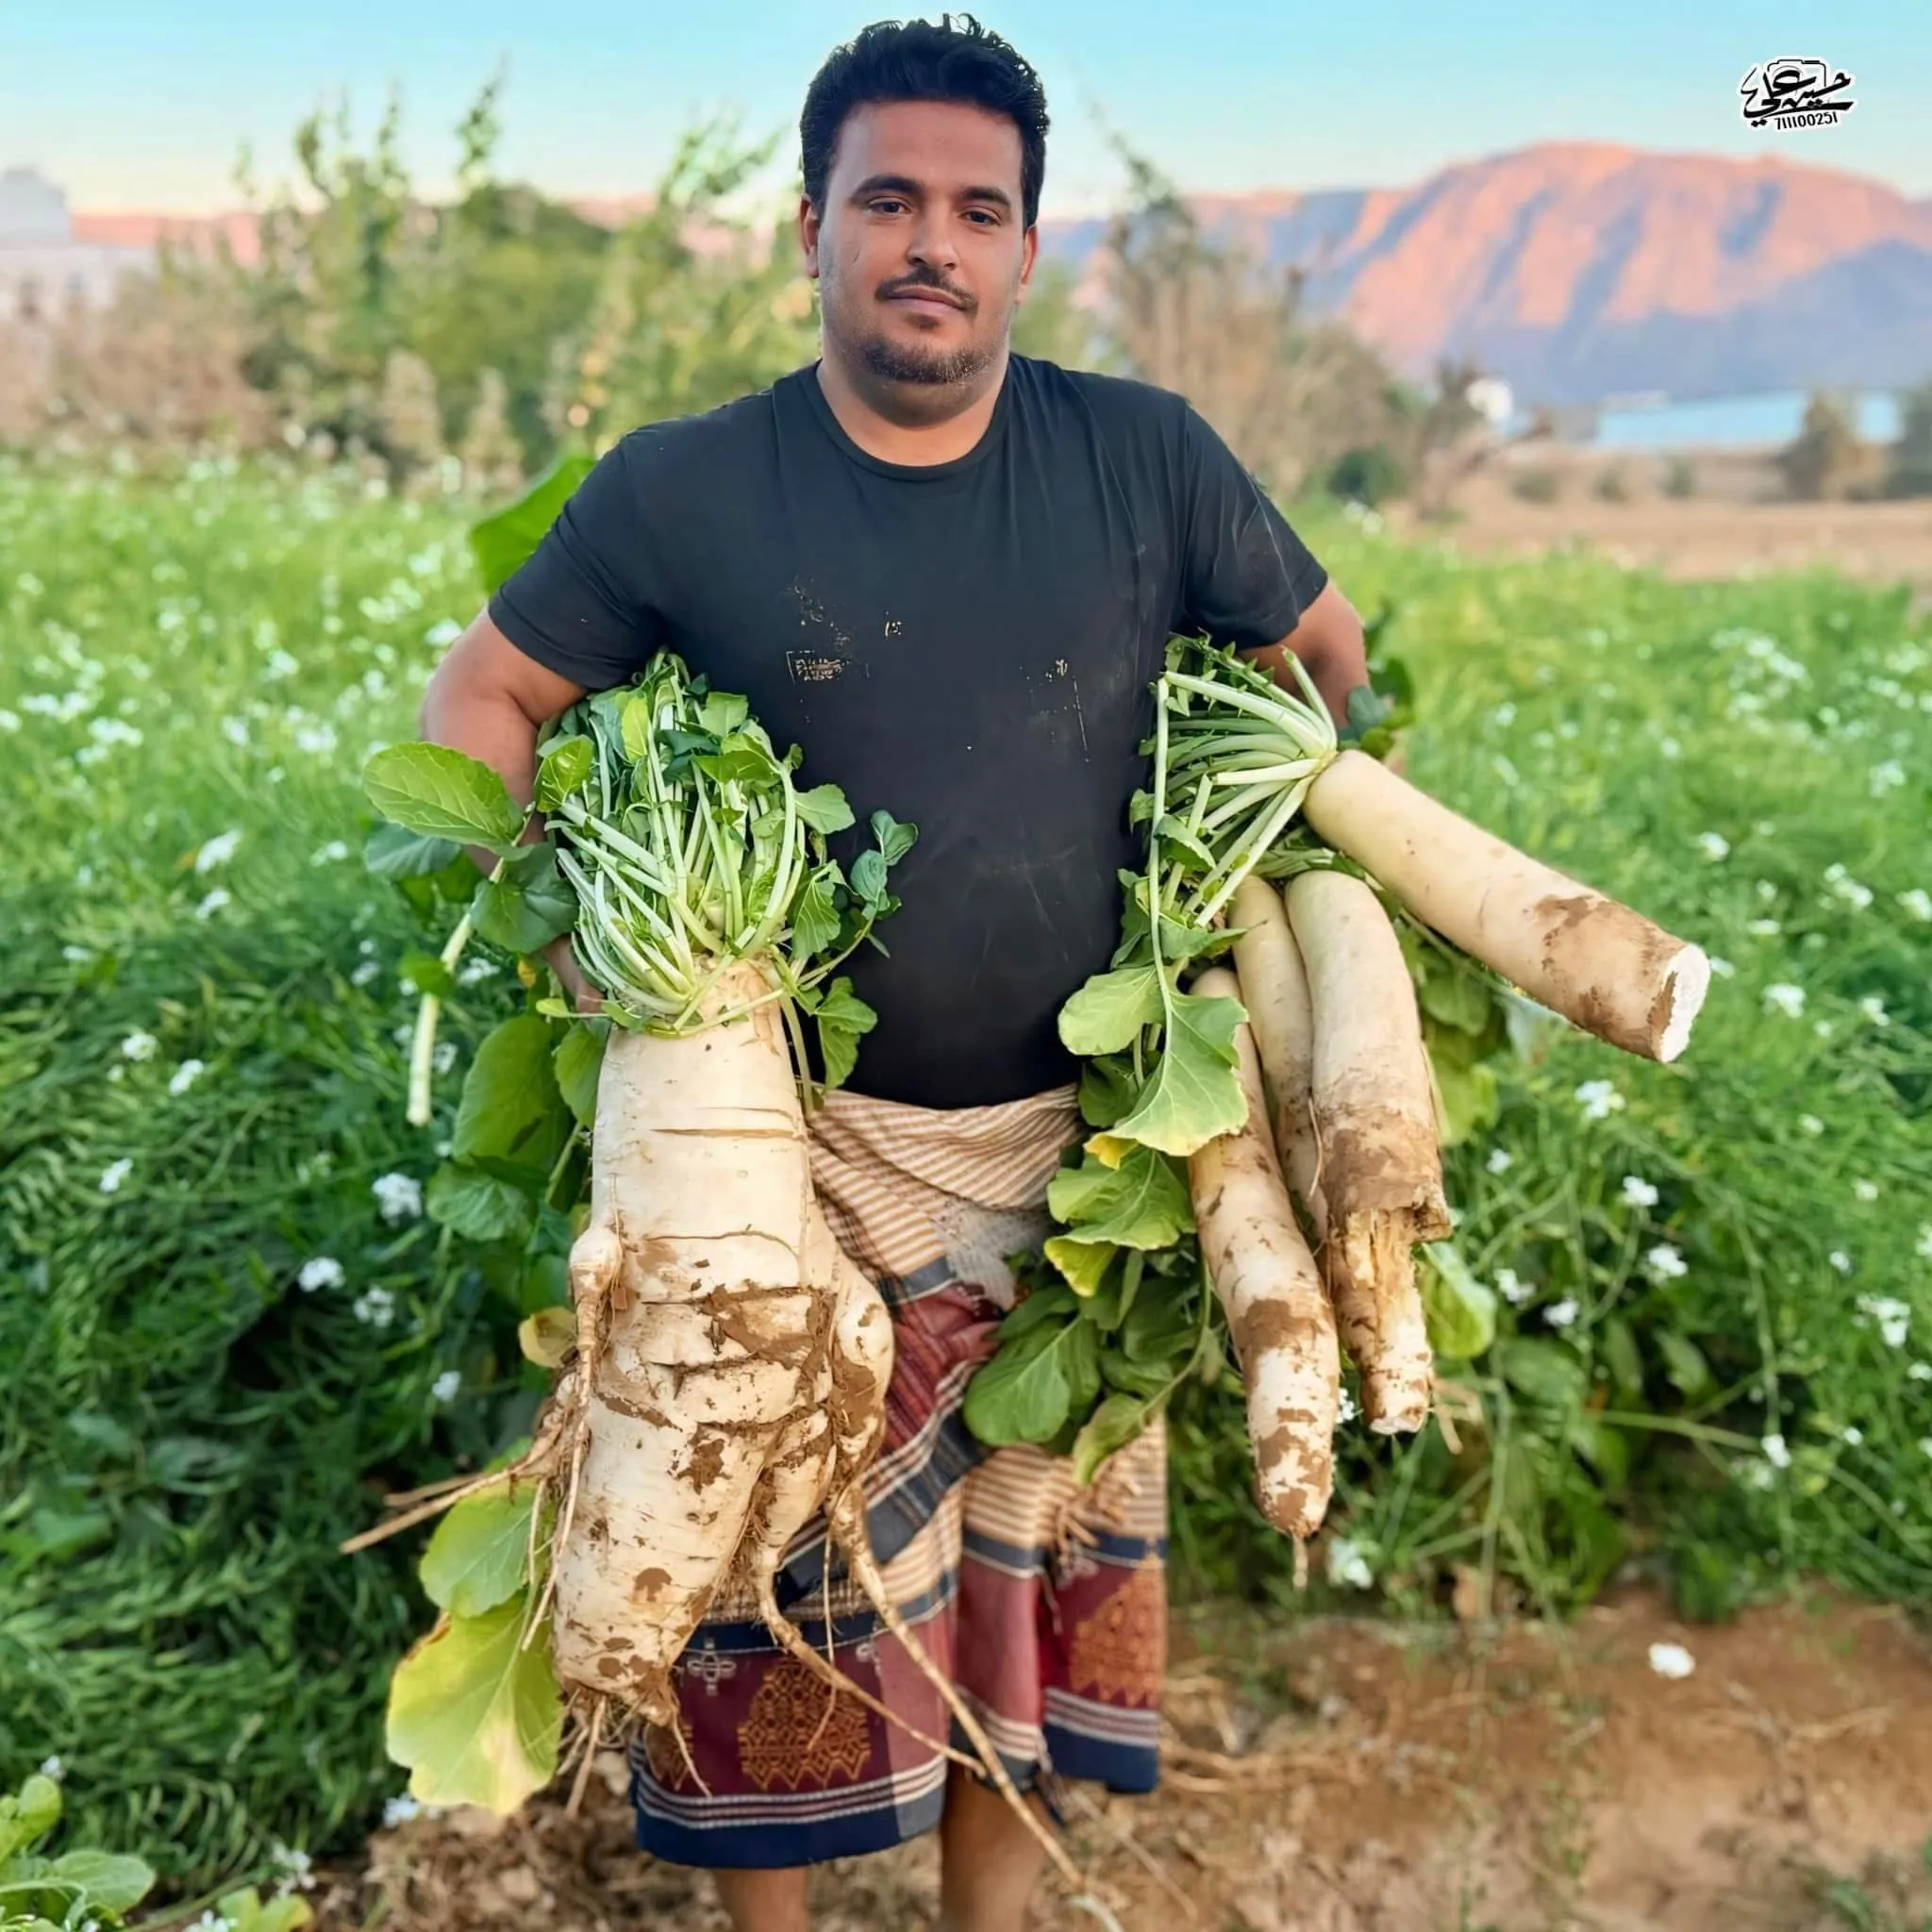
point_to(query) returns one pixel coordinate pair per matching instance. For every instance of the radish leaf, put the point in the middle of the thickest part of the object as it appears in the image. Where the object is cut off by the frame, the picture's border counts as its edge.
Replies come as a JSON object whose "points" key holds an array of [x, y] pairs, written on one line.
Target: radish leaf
{"points": [[475, 1717], [439, 792], [479, 1555], [1195, 1093]]}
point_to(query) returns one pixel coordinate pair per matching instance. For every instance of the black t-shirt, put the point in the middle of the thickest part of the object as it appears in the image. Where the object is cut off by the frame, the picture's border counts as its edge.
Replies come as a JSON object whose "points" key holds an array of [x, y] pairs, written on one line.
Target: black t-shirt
{"points": [[970, 644]]}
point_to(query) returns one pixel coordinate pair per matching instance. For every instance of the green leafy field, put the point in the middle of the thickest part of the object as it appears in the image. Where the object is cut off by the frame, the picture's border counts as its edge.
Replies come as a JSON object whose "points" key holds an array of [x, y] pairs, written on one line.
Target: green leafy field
{"points": [[1695, 1301]]}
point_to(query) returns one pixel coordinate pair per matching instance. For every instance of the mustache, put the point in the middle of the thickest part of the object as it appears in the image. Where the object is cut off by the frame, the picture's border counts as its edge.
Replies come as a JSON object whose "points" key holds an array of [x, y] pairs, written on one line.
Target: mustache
{"points": [[927, 278]]}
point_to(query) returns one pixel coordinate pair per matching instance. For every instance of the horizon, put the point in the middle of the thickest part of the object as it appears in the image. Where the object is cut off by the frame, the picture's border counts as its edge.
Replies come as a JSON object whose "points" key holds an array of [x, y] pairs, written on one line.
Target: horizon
{"points": [[151, 116]]}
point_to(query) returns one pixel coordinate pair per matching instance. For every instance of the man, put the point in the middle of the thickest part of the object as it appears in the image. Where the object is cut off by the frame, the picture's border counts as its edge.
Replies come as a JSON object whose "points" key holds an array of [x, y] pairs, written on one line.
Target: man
{"points": [[948, 574]]}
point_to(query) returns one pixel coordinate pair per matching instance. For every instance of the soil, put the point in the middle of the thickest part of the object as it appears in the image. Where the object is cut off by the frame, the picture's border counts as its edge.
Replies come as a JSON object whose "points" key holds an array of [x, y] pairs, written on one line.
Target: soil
{"points": [[1349, 1775], [1739, 522]]}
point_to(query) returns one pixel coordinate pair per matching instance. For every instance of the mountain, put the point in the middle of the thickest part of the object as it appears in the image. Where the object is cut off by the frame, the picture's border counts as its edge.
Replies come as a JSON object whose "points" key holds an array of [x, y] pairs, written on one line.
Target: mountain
{"points": [[1576, 270], [1579, 269]]}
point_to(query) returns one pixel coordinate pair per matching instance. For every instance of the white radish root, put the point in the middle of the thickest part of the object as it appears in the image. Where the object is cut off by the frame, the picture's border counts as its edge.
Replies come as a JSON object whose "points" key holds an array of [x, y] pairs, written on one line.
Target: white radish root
{"points": [[1603, 966], [1275, 989], [1276, 1304], [1375, 1112]]}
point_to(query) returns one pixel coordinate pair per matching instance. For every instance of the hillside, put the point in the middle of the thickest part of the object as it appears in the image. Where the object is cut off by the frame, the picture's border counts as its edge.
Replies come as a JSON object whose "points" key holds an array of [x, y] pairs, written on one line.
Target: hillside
{"points": [[1576, 270]]}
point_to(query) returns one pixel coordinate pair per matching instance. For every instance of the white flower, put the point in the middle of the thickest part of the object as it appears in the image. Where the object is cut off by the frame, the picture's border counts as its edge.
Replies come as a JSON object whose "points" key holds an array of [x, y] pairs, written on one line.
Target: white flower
{"points": [[365, 972], [1894, 1317], [1788, 999], [53, 1768], [446, 1386], [1865, 1190], [1775, 1453], [1505, 714], [1874, 1009], [445, 1055], [444, 631], [1714, 845], [218, 851], [213, 1922], [1926, 1444], [1924, 1250], [1722, 968], [1919, 1371], [375, 1306], [77, 955], [1854, 894], [1764, 928], [479, 967], [1598, 1099], [1637, 1192], [185, 1075], [1766, 891], [329, 853], [1811, 1124], [211, 903], [1513, 1288], [400, 1195], [138, 1046], [1501, 1160], [113, 1175], [1669, 748], [1671, 1660], [1347, 1564], [324, 1271], [296, 1867], [280, 665], [1883, 777], [1840, 1260], [1824, 1028], [1917, 902], [235, 730], [1752, 1475], [9, 721], [400, 1810], [1853, 1434], [1345, 1410], [1664, 1263], [1560, 1314]]}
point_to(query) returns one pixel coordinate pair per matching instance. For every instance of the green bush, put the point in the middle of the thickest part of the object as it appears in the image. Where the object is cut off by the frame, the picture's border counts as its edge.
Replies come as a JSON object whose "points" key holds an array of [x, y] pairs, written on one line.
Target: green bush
{"points": [[1611, 486], [1370, 475], [199, 1046], [1536, 486], [1680, 477]]}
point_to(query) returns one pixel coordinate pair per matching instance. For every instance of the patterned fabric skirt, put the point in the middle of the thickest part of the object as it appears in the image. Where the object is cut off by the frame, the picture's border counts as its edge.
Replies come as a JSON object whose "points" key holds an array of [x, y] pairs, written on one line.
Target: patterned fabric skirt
{"points": [[1044, 1604]]}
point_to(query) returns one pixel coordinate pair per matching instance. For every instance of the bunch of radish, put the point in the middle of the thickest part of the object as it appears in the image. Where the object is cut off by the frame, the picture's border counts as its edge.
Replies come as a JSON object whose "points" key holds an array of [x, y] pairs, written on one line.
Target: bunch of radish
{"points": [[1263, 1099], [721, 1373]]}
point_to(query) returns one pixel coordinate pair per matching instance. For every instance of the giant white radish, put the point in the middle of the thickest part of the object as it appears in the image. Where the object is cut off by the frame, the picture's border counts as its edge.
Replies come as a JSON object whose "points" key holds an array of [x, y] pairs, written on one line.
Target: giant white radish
{"points": [[1603, 966], [1374, 1116], [730, 1363], [1272, 1294]]}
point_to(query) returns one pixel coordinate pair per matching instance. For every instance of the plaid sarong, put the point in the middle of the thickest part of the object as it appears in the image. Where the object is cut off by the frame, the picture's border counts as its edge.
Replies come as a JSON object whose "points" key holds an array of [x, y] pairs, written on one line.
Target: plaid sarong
{"points": [[1047, 1605]]}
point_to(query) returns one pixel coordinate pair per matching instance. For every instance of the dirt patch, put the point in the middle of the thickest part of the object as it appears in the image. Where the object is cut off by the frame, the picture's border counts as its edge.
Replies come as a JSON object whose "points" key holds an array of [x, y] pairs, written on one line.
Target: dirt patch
{"points": [[1737, 525], [1348, 1776]]}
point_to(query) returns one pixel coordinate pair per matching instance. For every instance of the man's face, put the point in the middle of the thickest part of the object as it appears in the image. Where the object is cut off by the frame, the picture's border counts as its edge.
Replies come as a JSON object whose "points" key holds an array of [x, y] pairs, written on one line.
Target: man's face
{"points": [[921, 251]]}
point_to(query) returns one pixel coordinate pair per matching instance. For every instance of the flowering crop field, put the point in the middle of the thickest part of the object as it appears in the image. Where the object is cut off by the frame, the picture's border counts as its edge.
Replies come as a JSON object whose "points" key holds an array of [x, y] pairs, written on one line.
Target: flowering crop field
{"points": [[1694, 1330]]}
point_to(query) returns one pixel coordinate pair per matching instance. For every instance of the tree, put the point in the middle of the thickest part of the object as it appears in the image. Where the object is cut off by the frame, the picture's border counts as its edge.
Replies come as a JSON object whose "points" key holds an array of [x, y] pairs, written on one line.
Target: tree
{"points": [[1908, 471], [492, 457], [1822, 458], [1290, 394]]}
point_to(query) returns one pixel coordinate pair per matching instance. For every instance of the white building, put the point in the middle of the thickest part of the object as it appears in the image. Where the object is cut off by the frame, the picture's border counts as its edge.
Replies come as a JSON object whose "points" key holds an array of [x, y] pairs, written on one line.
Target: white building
{"points": [[43, 268]]}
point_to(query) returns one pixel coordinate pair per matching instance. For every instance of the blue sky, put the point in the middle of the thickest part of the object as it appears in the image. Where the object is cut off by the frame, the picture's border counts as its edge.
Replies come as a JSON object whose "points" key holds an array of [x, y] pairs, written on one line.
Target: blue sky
{"points": [[145, 103]]}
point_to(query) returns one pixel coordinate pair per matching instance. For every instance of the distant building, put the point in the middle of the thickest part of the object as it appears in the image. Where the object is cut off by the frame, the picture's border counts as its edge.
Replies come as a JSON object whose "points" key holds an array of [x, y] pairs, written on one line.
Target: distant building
{"points": [[43, 268]]}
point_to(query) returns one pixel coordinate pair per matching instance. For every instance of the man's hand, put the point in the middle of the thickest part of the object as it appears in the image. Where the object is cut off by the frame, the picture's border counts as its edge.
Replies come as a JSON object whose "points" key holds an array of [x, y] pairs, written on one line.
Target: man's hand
{"points": [[1329, 640]]}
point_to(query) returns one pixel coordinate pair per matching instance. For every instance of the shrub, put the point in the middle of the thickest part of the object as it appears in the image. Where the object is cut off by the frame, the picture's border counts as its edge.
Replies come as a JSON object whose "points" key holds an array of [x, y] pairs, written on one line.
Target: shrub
{"points": [[1370, 475], [1611, 485], [1536, 486], [1680, 477]]}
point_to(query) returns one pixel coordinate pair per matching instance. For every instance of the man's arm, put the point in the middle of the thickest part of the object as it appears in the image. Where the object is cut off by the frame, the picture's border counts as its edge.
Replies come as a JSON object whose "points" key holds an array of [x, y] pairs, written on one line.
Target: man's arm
{"points": [[1327, 639], [489, 699]]}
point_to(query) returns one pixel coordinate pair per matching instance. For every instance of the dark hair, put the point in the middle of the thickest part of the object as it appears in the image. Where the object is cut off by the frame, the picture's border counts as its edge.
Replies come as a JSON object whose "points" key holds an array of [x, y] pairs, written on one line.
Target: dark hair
{"points": [[915, 60]]}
